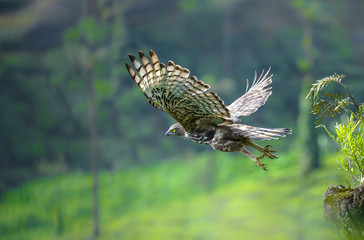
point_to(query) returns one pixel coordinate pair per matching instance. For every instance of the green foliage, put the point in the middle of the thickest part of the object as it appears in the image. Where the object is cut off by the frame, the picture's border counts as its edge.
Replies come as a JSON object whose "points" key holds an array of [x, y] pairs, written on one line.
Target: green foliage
{"points": [[188, 4], [330, 104], [174, 200], [303, 65], [349, 135], [326, 103], [43, 91]]}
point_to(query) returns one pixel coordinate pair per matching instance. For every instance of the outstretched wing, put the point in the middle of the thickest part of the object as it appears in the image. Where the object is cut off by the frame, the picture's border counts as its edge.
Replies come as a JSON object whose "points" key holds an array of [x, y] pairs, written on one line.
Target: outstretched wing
{"points": [[171, 89], [254, 98]]}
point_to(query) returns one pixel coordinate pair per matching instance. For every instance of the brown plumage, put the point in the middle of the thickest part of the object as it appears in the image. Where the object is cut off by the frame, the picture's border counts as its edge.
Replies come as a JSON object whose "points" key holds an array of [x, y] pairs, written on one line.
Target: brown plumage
{"points": [[202, 116]]}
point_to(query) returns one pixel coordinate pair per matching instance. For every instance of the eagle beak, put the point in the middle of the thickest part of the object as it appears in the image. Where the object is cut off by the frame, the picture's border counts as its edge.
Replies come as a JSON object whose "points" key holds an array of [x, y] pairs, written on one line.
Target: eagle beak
{"points": [[167, 133]]}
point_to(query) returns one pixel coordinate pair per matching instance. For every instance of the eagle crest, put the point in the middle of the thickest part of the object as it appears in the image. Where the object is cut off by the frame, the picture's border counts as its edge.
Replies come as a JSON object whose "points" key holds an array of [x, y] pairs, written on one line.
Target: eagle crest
{"points": [[201, 115]]}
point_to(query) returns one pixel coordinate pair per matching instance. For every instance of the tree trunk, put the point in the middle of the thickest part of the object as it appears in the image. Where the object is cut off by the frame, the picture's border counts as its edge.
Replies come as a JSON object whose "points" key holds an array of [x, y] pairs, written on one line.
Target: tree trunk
{"points": [[210, 173], [227, 30], [90, 8], [307, 136], [93, 149]]}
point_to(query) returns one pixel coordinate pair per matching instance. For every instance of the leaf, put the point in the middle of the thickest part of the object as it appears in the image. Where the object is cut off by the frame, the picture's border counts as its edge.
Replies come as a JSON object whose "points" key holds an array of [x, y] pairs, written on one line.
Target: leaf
{"points": [[93, 31], [303, 65], [73, 35], [329, 105], [325, 104], [318, 87]]}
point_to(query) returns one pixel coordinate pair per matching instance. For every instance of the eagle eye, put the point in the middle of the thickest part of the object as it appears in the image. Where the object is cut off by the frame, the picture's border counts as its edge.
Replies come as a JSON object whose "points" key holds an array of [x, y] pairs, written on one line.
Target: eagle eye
{"points": [[174, 130]]}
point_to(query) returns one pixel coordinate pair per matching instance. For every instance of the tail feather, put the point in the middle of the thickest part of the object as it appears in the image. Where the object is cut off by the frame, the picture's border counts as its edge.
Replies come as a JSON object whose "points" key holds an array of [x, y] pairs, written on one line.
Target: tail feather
{"points": [[258, 133]]}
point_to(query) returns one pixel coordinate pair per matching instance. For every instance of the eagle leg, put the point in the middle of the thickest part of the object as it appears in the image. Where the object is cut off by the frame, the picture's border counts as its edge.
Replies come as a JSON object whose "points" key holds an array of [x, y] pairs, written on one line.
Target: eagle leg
{"points": [[266, 151], [255, 159]]}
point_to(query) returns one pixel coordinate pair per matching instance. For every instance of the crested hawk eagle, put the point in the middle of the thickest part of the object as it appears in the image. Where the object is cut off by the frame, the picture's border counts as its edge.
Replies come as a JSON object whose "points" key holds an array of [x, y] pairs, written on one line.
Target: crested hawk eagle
{"points": [[201, 116]]}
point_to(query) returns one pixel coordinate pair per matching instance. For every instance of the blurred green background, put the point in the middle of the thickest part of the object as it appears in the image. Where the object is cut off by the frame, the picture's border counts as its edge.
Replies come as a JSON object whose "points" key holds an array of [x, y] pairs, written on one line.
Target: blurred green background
{"points": [[57, 54]]}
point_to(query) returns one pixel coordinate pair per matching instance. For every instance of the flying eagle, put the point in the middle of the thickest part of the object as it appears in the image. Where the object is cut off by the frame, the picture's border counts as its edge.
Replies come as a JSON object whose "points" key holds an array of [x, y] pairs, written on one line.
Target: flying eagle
{"points": [[201, 115]]}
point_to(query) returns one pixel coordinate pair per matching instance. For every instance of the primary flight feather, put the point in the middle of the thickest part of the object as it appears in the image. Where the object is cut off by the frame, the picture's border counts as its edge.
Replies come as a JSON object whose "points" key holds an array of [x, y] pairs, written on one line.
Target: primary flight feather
{"points": [[201, 115]]}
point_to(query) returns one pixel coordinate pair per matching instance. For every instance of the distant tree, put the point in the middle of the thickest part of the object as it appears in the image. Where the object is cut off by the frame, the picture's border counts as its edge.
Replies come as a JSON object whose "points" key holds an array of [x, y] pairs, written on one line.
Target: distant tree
{"points": [[307, 137], [93, 45], [91, 10]]}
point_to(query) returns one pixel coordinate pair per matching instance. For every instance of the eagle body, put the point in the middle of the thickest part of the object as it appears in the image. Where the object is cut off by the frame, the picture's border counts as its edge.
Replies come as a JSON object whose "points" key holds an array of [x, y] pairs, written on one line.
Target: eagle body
{"points": [[201, 137], [226, 141], [202, 116]]}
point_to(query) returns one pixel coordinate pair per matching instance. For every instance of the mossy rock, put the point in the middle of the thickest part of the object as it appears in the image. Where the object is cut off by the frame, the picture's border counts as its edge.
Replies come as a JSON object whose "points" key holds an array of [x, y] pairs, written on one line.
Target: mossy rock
{"points": [[345, 207]]}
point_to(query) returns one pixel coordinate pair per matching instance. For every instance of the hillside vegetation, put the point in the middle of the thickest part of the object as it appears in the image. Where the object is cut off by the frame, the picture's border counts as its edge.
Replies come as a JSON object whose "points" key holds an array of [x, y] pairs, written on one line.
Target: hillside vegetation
{"points": [[222, 196]]}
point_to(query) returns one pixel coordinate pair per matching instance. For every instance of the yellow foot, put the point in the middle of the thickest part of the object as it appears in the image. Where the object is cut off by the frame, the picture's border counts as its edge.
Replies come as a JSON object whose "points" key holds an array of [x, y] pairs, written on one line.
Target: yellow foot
{"points": [[267, 152]]}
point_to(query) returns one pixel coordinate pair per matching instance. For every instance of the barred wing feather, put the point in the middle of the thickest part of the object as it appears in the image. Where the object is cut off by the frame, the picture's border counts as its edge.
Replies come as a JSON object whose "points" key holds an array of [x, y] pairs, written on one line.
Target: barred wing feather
{"points": [[171, 89]]}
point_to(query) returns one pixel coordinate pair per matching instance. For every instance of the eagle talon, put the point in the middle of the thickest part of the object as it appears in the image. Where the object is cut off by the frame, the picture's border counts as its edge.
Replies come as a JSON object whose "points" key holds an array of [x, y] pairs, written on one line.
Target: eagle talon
{"points": [[262, 165], [267, 152]]}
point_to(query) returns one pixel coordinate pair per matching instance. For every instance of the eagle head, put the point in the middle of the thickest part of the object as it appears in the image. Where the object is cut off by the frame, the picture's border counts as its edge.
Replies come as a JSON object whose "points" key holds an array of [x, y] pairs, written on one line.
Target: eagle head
{"points": [[176, 129]]}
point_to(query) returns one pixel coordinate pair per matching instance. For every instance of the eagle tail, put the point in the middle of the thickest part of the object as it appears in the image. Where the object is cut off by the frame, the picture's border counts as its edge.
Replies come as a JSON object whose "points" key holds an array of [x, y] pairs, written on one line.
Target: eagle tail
{"points": [[258, 133]]}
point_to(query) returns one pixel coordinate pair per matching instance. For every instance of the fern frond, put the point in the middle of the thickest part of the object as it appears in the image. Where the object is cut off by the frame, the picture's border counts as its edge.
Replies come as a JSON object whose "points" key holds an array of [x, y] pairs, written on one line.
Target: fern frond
{"points": [[329, 104], [317, 88]]}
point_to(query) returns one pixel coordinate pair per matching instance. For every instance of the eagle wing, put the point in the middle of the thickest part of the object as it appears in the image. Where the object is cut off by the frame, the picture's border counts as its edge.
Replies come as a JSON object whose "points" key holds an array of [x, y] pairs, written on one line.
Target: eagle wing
{"points": [[171, 89], [253, 98]]}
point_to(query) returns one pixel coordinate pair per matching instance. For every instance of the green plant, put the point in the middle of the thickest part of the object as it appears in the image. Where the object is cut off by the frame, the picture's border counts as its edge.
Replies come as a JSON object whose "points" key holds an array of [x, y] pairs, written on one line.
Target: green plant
{"points": [[350, 134]]}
